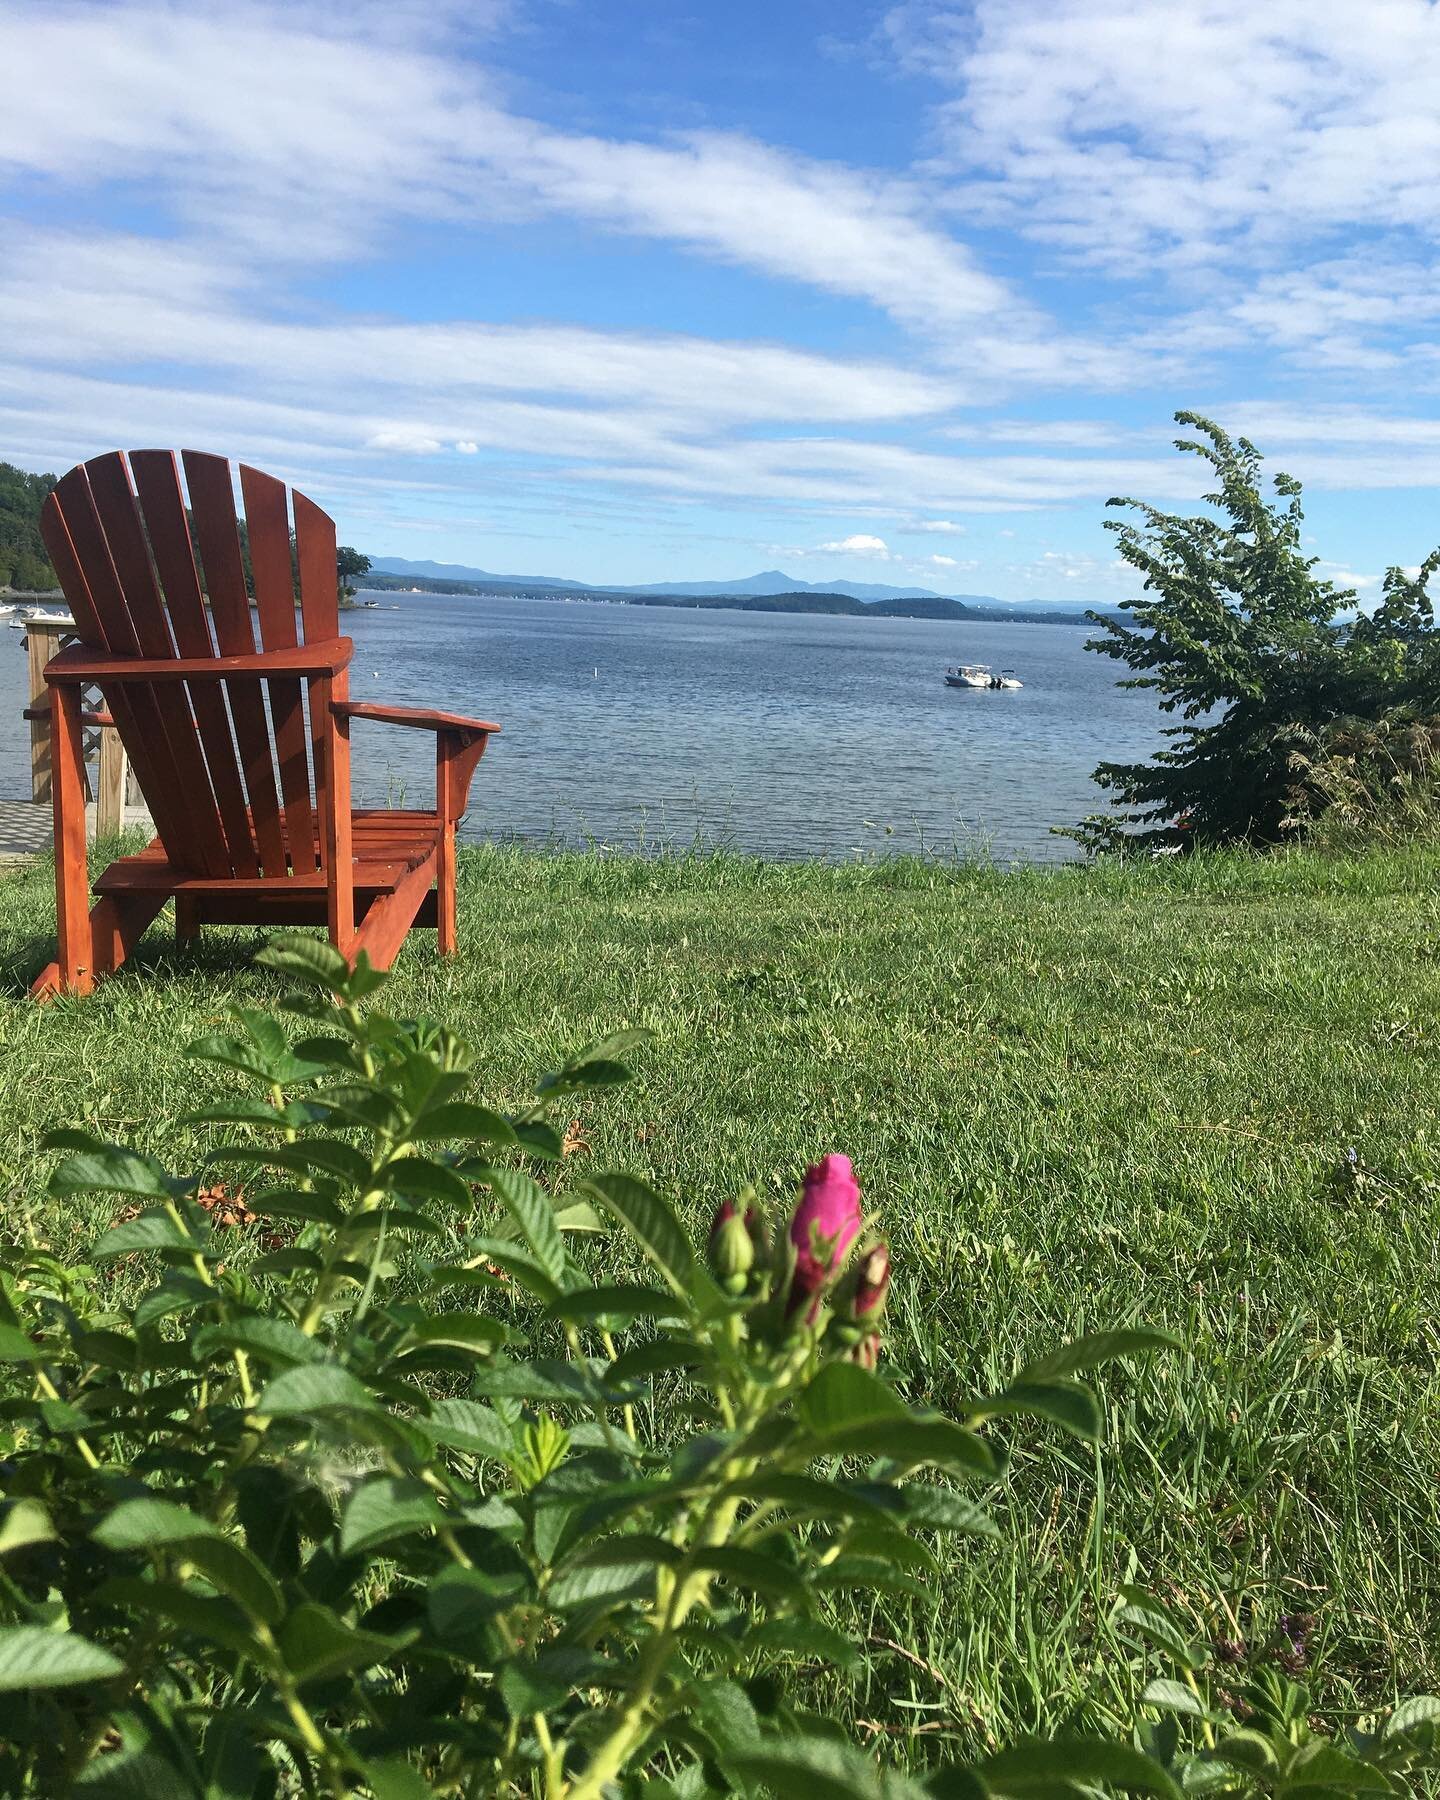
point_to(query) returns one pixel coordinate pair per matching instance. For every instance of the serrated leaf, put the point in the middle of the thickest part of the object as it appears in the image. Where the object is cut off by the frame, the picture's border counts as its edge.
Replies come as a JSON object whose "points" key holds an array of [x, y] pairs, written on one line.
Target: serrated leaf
{"points": [[387, 1507], [273, 1340], [928, 1508], [536, 1687], [843, 1394], [463, 1331], [579, 1216], [236, 1109], [153, 1230], [207, 1616], [1037, 1767], [110, 1170], [601, 1586], [804, 1638], [33, 1657], [423, 1179], [1250, 1750], [307, 1156], [16, 1347], [315, 1644], [517, 1262], [315, 1390], [529, 1206], [1096, 1348], [394, 1779], [753, 1570], [653, 1225], [1420, 1709], [237, 1572], [151, 1524], [1173, 1696], [27, 1521], [815, 1768], [463, 1119], [1069, 1404], [624, 1301], [248, 1059], [177, 1293], [467, 1425], [310, 959], [559, 1383]]}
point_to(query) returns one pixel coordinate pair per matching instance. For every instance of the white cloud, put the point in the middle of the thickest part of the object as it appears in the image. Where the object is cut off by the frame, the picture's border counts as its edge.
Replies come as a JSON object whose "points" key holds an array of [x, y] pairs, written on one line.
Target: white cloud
{"points": [[466, 446], [1075, 574], [947, 526], [340, 135], [860, 545], [1126, 129], [942, 562]]}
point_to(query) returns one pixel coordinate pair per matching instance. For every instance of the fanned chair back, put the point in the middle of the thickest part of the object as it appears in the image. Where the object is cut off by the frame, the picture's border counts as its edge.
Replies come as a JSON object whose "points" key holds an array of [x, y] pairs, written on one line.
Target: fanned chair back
{"points": [[225, 766]]}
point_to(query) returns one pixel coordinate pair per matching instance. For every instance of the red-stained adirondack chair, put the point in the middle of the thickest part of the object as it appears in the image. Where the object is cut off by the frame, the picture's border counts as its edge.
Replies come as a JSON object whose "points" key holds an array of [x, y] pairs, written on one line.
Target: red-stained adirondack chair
{"points": [[234, 846]]}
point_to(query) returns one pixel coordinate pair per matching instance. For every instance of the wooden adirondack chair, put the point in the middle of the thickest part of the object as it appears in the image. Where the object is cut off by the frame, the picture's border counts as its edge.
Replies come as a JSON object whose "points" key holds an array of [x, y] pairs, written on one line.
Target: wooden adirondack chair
{"points": [[233, 847]]}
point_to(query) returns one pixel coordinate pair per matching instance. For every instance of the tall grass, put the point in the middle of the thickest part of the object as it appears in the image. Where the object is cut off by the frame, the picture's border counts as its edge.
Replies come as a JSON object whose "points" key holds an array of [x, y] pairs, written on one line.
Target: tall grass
{"points": [[1200, 1093]]}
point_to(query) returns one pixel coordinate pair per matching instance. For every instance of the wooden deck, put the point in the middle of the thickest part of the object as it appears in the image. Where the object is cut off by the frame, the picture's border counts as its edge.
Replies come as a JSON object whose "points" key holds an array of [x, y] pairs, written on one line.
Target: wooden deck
{"points": [[26, 829]]}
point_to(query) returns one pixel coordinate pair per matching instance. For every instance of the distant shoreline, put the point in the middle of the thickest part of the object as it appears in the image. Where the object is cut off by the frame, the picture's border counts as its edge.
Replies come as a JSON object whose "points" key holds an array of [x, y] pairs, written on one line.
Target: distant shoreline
{"points": [[837, 605]]}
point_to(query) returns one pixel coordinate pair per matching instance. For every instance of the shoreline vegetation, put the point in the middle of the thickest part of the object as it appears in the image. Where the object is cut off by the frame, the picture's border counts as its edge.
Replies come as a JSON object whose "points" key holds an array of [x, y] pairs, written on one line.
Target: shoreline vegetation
{"points": [[843, 605], [1194, 1092]]}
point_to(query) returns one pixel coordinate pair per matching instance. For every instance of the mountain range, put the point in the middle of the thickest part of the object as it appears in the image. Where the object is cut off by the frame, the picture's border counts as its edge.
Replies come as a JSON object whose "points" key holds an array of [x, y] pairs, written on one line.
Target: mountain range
{"points": [[768, 581]]}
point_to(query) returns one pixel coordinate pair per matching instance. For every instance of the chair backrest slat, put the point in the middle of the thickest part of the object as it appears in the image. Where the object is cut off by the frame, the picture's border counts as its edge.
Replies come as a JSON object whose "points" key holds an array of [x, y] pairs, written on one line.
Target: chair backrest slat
{"points": [[127, 560], [267, 520], [115, 506], [157, 477], [212, 502], [320, 610], [104, 621], [319, 582]]}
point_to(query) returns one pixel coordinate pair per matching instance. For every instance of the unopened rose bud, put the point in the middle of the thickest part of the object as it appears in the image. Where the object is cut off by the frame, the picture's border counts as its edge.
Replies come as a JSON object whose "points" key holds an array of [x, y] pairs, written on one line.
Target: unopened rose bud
{"points": [[824, 1226], [866, 1352], [732, 1254], [872, 1287]]}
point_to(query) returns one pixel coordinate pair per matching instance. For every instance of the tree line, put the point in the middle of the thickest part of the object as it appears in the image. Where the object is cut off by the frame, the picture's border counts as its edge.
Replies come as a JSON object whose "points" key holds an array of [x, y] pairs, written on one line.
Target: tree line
{"points": [[25, 564]]}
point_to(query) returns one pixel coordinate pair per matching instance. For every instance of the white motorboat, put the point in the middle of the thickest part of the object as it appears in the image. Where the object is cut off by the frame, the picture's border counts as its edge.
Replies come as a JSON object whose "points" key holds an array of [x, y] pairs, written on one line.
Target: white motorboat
{"points": [[37, 615], [980, 675]]}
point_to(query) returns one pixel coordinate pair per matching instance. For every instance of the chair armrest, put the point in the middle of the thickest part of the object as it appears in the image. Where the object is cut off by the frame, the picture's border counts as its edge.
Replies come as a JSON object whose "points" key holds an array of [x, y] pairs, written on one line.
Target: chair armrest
{"points": [[41, 710], [81, 664], [417, 716]]}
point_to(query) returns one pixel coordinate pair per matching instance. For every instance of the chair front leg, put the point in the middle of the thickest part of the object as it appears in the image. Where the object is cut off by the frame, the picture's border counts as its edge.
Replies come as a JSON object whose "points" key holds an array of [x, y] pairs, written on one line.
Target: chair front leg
{"points": [[76, 961], [457, 755], [333, 796]]}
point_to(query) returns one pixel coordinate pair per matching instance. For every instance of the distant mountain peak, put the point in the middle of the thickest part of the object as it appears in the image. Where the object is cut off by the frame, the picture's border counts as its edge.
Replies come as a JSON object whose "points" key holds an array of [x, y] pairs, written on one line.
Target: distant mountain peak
{"points": [[768, 581]]}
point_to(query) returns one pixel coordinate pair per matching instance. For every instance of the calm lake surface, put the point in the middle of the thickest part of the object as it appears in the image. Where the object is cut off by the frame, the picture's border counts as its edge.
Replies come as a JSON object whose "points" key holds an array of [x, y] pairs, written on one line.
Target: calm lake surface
{"points": [[784, 735]]}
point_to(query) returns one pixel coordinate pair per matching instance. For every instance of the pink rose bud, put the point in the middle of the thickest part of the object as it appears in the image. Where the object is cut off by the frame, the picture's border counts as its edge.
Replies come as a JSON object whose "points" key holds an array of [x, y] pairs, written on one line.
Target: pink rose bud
{"points": [[866, 1352], [825, 1225]]}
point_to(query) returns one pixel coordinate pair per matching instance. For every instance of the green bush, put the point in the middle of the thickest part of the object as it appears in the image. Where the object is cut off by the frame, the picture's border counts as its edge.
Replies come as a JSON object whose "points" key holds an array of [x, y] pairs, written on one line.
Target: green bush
{"points": [[1238, 634], [318, 1524]]}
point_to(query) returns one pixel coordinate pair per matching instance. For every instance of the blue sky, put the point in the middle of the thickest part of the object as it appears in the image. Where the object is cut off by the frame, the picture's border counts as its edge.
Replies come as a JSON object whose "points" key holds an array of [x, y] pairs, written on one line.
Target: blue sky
{"points": [[631, 291]]}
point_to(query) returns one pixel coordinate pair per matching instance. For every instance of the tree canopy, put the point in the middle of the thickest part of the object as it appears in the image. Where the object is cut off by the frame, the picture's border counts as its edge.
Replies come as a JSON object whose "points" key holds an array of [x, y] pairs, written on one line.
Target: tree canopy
{"points": [[23, 560], [1237, 632]]}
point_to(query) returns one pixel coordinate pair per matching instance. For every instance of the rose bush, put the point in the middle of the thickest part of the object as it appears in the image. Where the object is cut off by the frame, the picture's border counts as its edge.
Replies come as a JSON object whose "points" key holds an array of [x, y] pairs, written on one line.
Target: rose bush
{"points": [[414, 1502]]}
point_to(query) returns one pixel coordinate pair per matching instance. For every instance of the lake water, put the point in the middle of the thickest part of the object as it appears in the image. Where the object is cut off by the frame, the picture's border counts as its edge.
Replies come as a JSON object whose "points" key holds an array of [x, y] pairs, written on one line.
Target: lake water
{"points": [[780, 734]]}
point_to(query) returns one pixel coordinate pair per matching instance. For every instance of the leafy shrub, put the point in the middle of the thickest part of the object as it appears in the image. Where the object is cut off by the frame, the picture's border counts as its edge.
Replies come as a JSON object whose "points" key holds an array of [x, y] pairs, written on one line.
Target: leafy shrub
{"points": [[1237, 633], [319, 1524], [1360, 782]]}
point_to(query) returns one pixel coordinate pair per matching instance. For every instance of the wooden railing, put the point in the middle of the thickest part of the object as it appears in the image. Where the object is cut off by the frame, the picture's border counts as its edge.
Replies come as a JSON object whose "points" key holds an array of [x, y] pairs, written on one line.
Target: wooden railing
{"points": [[108, 782]]}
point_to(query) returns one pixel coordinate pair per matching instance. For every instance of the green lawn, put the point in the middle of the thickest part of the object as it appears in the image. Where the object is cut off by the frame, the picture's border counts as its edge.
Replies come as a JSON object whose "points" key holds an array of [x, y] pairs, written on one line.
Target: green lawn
{"points": [[1201, 1095]]}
